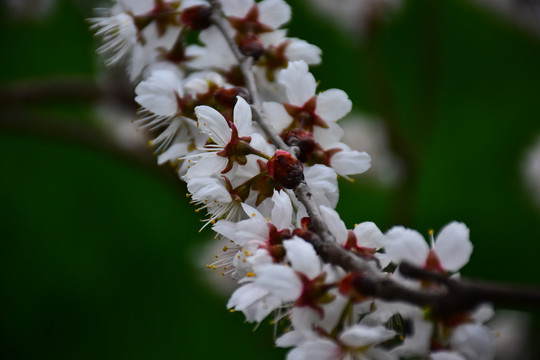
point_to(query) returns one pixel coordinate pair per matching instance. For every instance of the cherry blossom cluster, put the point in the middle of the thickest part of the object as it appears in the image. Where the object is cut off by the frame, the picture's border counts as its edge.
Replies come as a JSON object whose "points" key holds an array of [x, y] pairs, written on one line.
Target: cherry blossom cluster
{"points": [[210, 116]]}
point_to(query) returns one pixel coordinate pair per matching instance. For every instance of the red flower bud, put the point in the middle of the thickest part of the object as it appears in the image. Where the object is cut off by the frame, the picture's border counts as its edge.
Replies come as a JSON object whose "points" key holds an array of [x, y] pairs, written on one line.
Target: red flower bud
{"points": [[251, 46], [285, 169], [196, 17], [227, 97]]}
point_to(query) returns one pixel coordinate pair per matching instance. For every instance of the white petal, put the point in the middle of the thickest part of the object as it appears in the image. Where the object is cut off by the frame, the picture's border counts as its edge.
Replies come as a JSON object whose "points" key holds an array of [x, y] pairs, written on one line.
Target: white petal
{"points": [[242, 117], [274, 12], [189, 3], [368, 235], [446, 355], [252, 213], [328, 138], [291, 338], [282, 210], [208, 188], [303, 318], [453, 246], [279, 280], [350, 162], [213, 123], [361, 335], [333, 104], [275, 37], [158, 92], [299, 83], [236, 8], [250, 231], [303, 257], [473, 341], [483, 313], [323, 182], [173, 153], [276, 115], [403, 244], [335, 224], [225, 228], [215, 55], [321, 349], [245, 296], [302, 50], [208, 166], [136, 7], [254, 302]]}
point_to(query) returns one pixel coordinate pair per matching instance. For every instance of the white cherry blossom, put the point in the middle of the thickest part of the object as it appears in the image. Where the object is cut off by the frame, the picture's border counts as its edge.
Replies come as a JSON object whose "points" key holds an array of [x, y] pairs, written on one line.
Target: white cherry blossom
{"points": [[451, 249]]}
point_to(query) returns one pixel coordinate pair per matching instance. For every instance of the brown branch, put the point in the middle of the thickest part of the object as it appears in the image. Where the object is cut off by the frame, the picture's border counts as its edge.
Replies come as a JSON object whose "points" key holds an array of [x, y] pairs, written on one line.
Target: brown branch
{"points": [[451, 296], [301, 191], [246, 64], [448, 296]]}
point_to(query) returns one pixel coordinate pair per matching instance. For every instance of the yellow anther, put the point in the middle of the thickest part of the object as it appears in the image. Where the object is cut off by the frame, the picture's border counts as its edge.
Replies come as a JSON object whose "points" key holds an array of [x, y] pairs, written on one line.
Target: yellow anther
{"points": [[212, 221], [217, 256], [431, 232], [150, 142], [231, 310], [187, 194], [238, 256], [208, 266], [355, 225], [253, 214], [214, 267], [268, 219], [250, 274], [246, 253], [224, 268], [225, 248], [244, 260], [272, 322]]}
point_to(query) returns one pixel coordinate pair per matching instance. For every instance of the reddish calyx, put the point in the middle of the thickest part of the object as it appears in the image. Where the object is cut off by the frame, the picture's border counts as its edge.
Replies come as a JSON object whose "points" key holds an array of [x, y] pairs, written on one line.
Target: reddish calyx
{"points": [[314, 293], [352, 245], [304, 117], [347, 287], [274, 58], [274, 243], [433, 263], [248, 28], [164, 14], [236, 150]]}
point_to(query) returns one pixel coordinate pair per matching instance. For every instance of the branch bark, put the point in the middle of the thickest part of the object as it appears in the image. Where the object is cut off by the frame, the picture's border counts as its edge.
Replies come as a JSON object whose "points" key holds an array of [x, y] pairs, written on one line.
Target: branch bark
{"points": [[448, 297]]}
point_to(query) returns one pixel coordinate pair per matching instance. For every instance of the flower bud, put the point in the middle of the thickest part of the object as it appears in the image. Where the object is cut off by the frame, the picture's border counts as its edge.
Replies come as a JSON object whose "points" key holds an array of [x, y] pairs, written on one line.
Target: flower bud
{"points": [[251, 46], [196, 17], [227, 97], [285, 169], [302, 139]]}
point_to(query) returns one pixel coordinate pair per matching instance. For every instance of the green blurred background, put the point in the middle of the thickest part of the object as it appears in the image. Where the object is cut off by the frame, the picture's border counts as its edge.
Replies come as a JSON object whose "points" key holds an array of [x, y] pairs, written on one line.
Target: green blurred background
{"points": [[100, 252]]}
